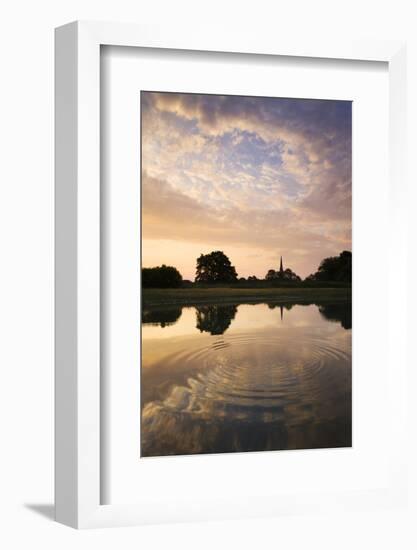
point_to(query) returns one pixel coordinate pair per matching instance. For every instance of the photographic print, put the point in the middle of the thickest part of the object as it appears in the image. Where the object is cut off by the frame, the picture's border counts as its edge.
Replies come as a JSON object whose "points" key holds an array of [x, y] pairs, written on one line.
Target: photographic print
{"points": [[246, 273]]}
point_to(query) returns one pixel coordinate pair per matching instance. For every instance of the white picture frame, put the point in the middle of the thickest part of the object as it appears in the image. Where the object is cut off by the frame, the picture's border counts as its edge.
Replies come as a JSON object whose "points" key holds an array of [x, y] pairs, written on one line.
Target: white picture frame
{"points": [[77, 242]]}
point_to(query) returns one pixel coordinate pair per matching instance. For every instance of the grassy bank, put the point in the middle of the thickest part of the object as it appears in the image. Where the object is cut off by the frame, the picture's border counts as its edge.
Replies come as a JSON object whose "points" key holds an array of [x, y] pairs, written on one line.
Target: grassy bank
{"points": [[196, 296]]}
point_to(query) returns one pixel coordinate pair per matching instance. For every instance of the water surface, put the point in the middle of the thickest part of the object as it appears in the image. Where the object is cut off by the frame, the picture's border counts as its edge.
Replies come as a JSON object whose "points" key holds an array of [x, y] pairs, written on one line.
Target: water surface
{"points": [[230, 378]]}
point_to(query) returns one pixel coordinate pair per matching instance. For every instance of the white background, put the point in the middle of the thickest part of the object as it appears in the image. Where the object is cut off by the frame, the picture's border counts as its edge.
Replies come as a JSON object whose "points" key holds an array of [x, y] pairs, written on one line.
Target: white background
{"points": [[26, 274]]}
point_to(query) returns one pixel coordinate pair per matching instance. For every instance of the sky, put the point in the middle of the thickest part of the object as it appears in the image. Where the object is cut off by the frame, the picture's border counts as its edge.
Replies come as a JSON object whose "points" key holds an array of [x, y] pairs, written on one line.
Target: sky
{"points": [[258, 178]]}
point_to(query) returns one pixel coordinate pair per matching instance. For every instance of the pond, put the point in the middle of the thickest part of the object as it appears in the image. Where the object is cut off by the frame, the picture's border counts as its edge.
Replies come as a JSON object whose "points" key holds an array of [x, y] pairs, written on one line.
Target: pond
{"points": [[222, 378]]}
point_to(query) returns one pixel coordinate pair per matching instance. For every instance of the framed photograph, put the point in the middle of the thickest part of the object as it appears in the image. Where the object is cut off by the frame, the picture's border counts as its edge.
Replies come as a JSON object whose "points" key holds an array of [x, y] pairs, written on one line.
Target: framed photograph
{"points": [[254, 356], [230, 275]]}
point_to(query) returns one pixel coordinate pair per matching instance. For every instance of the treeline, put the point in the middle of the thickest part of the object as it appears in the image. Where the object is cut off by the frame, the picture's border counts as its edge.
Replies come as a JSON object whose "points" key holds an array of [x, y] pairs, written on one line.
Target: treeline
{"points": [[215, 268], [216, 319], [335, 268], [164, 276]]}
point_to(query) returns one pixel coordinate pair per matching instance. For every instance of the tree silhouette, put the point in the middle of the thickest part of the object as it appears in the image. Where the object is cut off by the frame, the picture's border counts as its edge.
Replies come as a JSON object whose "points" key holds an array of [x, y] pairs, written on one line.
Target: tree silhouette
{"points": [[215, 268], [272, 274], [164, 276], [286, 275], [334, 268]]}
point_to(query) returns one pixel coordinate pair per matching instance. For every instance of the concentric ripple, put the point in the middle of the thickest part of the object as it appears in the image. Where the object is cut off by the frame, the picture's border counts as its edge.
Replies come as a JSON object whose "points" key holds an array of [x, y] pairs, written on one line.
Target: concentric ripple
{"points": [[251, 390]]}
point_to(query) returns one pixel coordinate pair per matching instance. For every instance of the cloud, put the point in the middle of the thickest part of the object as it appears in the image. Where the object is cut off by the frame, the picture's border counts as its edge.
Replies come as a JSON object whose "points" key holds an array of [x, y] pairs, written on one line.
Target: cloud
{"points": [[304, 143], [272, 174], [315, 126], [168, 214]]}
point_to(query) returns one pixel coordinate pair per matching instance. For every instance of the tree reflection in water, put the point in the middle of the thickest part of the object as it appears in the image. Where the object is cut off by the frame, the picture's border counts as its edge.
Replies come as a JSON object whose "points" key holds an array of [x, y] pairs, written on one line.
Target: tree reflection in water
{"points": [[261, 386], [215, 319], [161, 317], [281, 307], [341, 313], [338, 313]]}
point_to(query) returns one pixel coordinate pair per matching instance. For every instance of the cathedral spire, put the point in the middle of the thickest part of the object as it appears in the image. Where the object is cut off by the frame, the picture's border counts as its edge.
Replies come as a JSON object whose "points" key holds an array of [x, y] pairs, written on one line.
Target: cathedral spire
{"points": [[281, 269]]}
